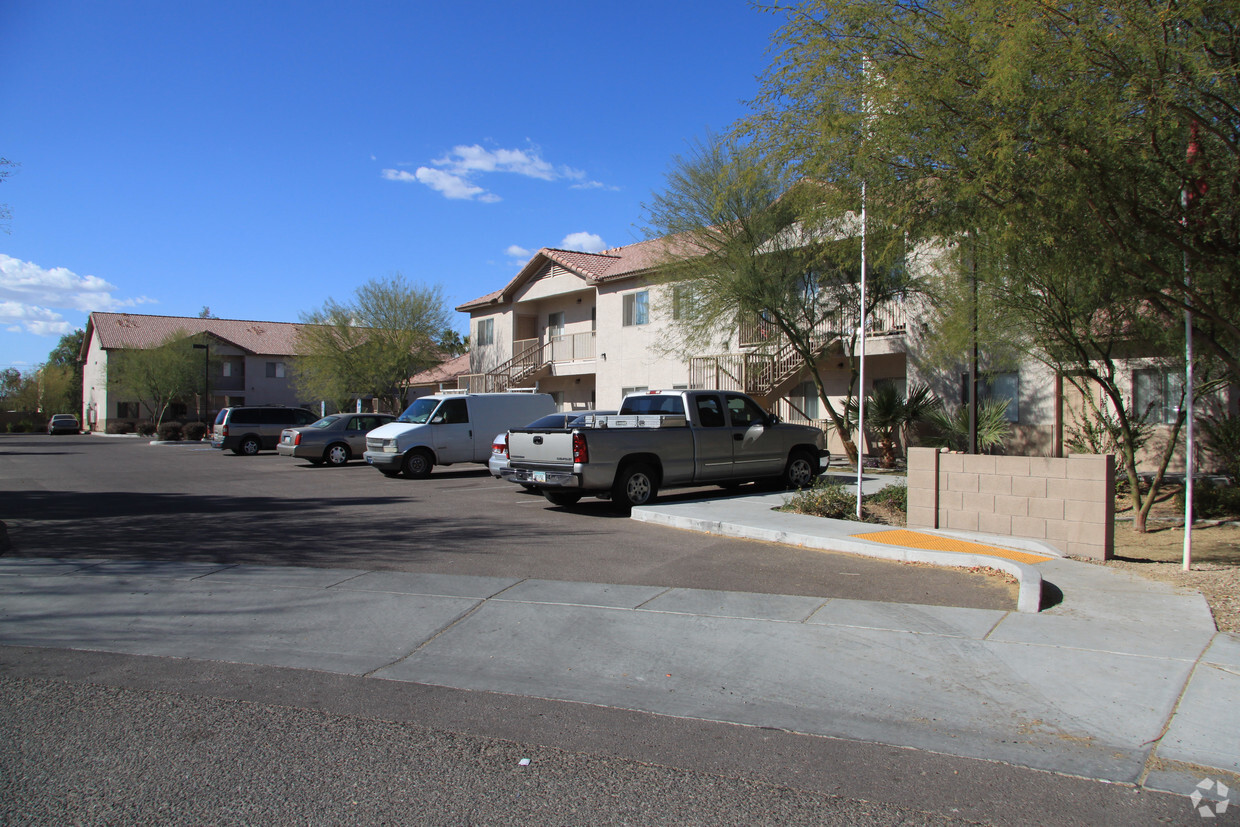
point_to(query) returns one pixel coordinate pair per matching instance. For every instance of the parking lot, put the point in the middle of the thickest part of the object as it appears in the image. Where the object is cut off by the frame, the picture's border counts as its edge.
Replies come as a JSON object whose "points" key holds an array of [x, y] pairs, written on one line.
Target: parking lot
{"points": [[124, 498]]}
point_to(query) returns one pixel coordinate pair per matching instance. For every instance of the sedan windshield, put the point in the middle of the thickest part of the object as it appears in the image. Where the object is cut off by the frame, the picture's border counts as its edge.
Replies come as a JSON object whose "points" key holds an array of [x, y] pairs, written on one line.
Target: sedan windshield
{"points": [[419, 413]]}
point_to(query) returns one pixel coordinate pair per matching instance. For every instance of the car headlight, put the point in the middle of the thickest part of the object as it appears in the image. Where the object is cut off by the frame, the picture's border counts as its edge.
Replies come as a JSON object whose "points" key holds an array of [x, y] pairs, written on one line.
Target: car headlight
{"points": [[389, 446]]}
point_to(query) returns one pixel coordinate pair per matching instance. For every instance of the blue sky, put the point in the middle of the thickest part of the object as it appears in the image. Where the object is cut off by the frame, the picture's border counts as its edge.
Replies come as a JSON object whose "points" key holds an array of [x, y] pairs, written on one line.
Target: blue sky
{"points": [[260, 157]]}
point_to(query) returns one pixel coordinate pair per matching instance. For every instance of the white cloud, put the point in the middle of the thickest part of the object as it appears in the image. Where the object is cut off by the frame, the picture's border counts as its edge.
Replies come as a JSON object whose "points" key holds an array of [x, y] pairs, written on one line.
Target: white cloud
{"points": [[455, 174], [32, 296], [584, 242], [517, 251]]}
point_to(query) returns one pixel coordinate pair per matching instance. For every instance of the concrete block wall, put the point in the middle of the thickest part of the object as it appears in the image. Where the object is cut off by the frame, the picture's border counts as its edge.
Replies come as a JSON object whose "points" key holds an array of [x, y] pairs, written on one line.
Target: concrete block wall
{"points": [[1068, 502]]}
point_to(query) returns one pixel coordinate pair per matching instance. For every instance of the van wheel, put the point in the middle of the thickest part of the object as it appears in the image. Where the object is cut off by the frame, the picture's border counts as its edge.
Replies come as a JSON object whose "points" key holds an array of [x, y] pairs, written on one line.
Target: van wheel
{"points": [[418, 464], [801, 470], [562, 497], [249, 446], [337, 454], [636, 485]]}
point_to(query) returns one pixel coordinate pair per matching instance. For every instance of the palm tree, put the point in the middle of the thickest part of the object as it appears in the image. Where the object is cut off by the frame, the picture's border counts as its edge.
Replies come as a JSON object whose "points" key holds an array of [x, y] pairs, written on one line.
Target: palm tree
{"points": [[891, 416], [993, 427]]}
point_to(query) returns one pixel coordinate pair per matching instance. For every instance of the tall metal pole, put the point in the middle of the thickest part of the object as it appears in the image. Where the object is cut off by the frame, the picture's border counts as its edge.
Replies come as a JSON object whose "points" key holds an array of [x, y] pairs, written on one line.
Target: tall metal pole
{"points": [[861, 362]]}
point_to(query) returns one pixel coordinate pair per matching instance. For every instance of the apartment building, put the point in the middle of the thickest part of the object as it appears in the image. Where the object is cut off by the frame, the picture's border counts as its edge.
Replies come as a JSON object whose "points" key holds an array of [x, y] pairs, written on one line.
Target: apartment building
{"points": [[591, 327], [248, 362]]}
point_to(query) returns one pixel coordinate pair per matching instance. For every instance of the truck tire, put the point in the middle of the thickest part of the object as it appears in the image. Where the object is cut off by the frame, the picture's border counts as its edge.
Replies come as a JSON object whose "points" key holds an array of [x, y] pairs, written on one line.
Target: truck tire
{"points": [[801, 470], [418, 464], [565, 498], [636, 484]]}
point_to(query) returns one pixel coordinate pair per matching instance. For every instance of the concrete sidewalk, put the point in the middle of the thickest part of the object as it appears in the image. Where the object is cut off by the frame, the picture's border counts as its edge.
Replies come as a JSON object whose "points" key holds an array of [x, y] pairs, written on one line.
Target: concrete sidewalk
{"points": [[1124, 679]]}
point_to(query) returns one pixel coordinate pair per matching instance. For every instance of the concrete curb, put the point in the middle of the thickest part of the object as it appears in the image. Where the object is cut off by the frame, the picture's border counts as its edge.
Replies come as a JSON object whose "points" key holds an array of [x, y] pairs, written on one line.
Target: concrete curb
{"points": [[832, 535]]}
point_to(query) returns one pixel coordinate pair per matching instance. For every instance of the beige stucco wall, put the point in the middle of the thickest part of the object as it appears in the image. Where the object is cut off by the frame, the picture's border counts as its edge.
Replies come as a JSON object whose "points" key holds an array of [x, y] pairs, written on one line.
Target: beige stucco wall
{"points": [[1068, 502]]}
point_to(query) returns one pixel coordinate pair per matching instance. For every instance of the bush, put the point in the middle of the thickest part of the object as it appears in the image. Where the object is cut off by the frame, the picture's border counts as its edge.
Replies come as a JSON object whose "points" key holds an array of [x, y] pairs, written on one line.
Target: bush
{"points": [[24, 426], [171, 431], [824, 499], [145, 428], [894, 496], [1212, 502], [121, 427], [195, 431], [1221, 435]]}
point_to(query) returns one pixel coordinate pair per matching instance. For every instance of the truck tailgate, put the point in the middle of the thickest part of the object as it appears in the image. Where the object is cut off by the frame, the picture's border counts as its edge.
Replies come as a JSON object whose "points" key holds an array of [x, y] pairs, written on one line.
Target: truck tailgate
{"points": [[541, 447]]}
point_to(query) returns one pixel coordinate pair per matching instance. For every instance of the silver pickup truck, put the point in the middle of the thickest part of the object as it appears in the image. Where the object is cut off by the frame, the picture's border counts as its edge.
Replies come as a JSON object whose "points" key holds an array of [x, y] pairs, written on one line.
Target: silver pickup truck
{"points": [[666, 439]]}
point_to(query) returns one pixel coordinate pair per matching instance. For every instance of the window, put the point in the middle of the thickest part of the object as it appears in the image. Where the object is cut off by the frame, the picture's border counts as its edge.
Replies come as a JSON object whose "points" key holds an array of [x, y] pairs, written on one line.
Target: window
{"points": [[995, 386], [452, 412], [555, 325], [637, 308], [635, 389], [485, 334], [275, 370], [744, 411], [1159, 391], [710, 415], [684, 302], [231, 367], [808, 393]]}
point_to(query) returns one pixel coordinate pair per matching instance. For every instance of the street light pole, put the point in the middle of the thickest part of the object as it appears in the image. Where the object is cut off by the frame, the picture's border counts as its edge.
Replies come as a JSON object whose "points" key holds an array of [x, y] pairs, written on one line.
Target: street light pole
{"points": [[206, 380]]}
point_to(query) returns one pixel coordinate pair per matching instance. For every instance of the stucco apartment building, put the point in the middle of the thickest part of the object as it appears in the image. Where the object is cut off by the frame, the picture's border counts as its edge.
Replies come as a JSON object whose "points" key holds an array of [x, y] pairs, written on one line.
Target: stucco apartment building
{"points": [[249, 362], [591, 327]]}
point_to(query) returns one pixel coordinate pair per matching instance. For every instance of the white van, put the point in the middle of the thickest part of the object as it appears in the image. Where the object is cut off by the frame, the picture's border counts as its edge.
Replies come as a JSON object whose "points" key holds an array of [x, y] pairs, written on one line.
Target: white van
{"points": [[450, 427]]}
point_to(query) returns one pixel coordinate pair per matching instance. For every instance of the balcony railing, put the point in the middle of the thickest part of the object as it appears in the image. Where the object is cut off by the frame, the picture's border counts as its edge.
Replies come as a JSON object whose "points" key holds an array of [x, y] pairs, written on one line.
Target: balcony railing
{"points": [[529, 357], [881, 320]]}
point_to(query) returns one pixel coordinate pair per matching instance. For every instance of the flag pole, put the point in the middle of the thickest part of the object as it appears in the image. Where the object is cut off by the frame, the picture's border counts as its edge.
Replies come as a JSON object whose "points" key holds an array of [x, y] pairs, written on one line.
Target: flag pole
{"points": [[861, 363]]}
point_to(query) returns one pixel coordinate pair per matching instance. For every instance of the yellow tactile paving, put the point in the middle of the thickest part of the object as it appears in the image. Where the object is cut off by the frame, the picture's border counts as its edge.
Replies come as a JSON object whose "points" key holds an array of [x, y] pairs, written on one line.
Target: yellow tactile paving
{"points": [[915, 539]]}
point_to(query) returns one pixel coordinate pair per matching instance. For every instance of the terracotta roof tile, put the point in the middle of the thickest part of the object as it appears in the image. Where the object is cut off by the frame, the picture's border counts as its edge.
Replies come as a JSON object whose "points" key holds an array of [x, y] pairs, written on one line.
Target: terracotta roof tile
{"points": [[443, 372], [131, 330]]}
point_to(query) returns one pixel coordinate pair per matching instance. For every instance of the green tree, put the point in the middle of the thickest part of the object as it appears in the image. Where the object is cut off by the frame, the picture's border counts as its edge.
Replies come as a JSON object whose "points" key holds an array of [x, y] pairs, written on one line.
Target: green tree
{"points": [[1030, 122], [373, 344], [156, 377], [746, 240], [10, 386], [66, 357], [1083, 157]]}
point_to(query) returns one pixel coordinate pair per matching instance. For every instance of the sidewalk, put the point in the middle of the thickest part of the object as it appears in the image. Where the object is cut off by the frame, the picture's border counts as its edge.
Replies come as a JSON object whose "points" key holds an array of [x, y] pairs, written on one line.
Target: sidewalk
{"points": [[1124, 679]]}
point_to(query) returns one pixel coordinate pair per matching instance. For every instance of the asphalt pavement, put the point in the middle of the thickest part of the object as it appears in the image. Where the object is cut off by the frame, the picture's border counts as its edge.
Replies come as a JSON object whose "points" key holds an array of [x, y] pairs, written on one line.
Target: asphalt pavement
{"points": [[1117, 678]]}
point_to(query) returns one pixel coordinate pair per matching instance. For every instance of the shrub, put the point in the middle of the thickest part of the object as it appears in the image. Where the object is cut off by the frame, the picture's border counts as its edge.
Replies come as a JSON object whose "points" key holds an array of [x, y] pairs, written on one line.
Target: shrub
{"points": [[145, 428], [121, 427], [23, 426], [894, 496], [195, 431], [170, 431], [824, 499], [1221, 435], [1212, 502]]}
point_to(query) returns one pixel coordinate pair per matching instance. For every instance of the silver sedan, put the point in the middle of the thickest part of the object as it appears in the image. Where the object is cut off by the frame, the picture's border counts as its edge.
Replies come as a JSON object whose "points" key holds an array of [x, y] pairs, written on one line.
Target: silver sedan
{"points": [[333, 439]]}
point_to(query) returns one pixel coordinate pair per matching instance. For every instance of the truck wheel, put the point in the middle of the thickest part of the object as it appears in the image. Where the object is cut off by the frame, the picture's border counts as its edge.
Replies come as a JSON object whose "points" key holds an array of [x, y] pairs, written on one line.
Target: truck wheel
{"points": [[565, 498], [801, 470], [636, 485], [418, 464], [249, 446]]}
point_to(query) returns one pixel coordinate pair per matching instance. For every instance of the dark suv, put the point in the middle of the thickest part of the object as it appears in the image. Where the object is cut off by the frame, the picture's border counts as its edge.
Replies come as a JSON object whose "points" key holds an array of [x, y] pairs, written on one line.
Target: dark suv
{"points": [[249, 429]]}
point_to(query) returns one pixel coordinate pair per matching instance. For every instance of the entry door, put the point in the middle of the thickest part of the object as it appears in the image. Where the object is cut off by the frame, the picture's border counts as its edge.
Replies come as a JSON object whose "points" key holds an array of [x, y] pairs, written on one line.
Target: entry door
{"points": [[756, 451]]}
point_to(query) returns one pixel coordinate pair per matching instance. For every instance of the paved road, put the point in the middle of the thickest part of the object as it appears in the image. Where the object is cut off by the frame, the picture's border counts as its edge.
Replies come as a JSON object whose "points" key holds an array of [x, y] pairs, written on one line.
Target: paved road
{"points": [[125, 499], [123, 738]]}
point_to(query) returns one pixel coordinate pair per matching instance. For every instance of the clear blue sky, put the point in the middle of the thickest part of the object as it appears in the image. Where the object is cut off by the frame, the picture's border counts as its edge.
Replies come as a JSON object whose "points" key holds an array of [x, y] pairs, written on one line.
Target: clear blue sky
{"points": [[260, 157]]}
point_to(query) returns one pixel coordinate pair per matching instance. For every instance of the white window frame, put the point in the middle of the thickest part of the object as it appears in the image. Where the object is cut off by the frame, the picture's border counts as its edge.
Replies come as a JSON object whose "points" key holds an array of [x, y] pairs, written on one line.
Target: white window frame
{"points": [[1159, 387], [484, 332], [636, 308]]}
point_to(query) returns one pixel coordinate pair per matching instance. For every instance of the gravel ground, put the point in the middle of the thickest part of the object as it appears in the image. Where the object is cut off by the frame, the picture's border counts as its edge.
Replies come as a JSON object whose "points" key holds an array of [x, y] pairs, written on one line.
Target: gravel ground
{"points": [[86, 754]]}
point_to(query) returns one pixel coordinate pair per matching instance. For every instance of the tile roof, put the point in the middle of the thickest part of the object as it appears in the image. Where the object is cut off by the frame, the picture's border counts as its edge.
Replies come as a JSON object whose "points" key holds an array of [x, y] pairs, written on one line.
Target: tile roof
{"points": [[444, 372], [617, 263], [131, 330]]}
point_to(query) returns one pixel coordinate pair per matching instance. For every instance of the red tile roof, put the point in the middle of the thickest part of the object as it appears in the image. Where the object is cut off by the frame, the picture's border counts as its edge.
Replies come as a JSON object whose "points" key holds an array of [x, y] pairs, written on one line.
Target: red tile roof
{"points": [[134, 331], [629, 261], [444, 372]]}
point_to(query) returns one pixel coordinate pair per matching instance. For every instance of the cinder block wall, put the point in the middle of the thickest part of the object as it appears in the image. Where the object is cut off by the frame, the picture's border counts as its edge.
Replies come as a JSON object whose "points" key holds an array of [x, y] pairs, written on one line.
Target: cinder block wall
{"points": [[1069, 503]]}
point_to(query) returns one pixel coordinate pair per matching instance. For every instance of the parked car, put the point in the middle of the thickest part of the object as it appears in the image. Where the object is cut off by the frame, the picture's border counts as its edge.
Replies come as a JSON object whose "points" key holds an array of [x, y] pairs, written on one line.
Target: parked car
{"points": [[248, 429], [449, 427], [334, 439], [64, 424], [557, 421]]}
